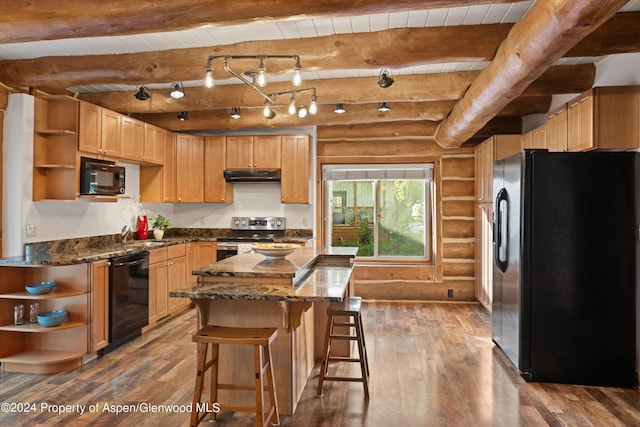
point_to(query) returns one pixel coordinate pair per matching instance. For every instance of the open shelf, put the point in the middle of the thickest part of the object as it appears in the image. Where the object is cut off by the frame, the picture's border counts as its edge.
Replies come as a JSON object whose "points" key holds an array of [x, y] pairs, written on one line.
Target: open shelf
{"points": [[51, 295], [36, 357], [56, 132], [36, 327], [56, 166]]}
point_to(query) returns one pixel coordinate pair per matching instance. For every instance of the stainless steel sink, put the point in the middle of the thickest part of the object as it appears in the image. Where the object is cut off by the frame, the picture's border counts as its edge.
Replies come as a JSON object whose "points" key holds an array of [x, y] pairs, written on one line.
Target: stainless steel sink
{"points": [[142, 245]]}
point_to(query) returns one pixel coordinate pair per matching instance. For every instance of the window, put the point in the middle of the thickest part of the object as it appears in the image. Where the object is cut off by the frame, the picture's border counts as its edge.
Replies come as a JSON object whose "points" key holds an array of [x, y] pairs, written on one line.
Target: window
{"points": [[385, 210]]}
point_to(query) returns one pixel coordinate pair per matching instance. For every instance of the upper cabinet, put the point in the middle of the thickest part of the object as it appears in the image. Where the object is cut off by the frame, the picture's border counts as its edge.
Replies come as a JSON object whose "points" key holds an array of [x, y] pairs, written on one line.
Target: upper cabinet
{"points": [[296, 169], [605, 117], [249, 152], [216, 189], [99, 132], [556, 129], [131, 139], [189, 168]]}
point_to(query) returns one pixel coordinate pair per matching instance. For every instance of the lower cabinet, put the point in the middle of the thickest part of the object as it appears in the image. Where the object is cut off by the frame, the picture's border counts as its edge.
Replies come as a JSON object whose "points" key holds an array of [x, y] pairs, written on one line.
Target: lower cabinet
{"points": [[167, 272]]}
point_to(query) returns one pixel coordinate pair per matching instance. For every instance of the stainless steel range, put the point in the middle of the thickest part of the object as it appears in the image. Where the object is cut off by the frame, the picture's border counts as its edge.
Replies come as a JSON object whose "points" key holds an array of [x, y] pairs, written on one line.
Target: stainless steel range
{"points": [[248, 230]]}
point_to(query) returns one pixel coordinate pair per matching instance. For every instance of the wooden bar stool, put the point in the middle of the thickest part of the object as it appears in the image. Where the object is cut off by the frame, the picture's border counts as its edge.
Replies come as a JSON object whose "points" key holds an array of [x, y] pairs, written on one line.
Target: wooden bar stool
{"points": [[349, 307], [260, 339]]}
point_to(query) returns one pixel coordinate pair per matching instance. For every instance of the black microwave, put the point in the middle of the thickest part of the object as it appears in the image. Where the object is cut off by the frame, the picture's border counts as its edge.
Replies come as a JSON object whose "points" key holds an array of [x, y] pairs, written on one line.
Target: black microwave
{"points": [[100, 177]]}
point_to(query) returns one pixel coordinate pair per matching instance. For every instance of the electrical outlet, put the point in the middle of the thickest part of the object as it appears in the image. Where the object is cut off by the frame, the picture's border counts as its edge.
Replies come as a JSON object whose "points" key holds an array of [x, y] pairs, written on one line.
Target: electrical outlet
{"points": [[450, 293], [31, 230]]}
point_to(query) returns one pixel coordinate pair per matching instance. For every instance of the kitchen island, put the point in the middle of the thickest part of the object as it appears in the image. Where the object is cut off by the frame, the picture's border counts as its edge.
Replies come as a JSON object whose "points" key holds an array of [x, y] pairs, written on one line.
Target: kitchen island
{"points": [[291, 294]]}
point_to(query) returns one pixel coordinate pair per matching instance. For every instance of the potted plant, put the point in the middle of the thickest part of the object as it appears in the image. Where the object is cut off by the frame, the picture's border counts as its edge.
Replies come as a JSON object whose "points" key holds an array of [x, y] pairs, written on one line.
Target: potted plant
{"points": [[159, 224]]}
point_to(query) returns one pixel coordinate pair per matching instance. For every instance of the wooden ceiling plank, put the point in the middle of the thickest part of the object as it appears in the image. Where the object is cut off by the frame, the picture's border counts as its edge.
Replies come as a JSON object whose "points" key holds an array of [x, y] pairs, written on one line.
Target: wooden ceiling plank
{"points": [[52, 19], [539, 39]]}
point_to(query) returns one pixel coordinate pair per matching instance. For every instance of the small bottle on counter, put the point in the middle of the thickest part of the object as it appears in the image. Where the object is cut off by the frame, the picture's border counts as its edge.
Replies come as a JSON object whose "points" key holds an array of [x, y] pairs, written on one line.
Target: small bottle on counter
{"points": [[18, 314]]}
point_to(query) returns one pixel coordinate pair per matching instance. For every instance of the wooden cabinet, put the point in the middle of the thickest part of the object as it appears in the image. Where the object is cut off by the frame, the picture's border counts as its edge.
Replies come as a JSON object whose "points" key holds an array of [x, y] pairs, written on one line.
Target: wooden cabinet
{"points": [[99, 305], [484, 254], [100, 131], [605, 117], [216, 188], [131, 139], [484, 171], [189, 168], [505, 146], [296, 169], [158, 183], [580, 123], [169, 168], [36, 349], [167, 272], [249, 152], [207, 253], [153, 144], [539, 137], [556, 130], [54, 149]]}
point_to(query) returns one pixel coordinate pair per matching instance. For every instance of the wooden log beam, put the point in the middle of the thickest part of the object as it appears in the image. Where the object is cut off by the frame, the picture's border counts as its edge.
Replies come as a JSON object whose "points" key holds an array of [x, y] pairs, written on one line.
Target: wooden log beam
{"points": [[52, 19], [547, 32], [395, 48], [355, 90]]}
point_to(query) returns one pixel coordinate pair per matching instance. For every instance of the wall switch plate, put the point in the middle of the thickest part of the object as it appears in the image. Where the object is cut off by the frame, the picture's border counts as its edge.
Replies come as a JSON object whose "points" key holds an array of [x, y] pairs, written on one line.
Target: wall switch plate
{"points": [[31, 230]]}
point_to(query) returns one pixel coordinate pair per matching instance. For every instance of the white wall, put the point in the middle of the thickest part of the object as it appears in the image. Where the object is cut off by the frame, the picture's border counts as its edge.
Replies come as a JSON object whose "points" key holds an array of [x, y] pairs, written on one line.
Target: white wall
{"points": [[82, 218]]}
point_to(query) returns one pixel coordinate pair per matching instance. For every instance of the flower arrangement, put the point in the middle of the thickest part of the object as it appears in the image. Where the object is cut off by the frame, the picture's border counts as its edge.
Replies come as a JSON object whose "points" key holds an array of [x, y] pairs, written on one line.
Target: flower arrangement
{"points": [[159, 222]]}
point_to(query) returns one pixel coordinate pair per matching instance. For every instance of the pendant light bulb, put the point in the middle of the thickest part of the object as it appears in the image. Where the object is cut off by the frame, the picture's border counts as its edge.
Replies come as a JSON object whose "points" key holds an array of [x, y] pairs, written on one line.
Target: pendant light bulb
{"points": [[267, 110], [292, 106], [313, 107], [302, 112], [297, 77], [208, 79], [261, 78]]}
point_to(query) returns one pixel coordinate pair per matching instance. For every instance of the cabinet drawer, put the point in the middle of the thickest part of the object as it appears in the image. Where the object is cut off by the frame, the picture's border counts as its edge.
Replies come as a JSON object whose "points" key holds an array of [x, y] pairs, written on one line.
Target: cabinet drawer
{"points": [[158, 255], [176, 251]]}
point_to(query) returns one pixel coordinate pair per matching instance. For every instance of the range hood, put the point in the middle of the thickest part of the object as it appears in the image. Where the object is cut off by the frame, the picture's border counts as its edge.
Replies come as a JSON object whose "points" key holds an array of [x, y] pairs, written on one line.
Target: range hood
{"points": [[252, 175]]}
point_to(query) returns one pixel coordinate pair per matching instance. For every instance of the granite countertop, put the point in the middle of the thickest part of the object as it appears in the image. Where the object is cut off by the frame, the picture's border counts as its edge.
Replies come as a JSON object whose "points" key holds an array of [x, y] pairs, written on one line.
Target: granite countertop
{"points": [[309, 274]]}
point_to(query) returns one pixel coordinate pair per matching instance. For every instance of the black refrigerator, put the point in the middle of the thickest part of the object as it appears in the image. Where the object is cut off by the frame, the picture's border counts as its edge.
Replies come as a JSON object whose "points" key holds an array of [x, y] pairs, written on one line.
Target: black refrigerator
{"points": [[565, 236]]}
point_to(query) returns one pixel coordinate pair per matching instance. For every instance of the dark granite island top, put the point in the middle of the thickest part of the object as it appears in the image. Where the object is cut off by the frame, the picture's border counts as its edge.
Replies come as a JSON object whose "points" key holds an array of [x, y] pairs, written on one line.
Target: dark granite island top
{"points": [[309, 274]]}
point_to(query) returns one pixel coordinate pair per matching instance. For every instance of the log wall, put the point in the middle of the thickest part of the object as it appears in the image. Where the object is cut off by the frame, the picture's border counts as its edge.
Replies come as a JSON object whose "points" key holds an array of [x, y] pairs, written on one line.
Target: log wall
{"points": [[453, 269]]}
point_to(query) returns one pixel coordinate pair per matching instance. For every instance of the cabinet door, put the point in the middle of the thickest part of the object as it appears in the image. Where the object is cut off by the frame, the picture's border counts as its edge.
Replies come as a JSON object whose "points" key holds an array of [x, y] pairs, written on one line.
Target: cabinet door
{"points": [[169, 167], [189, 168], [539, 137], [192, 261], [90, 130], [131, 139], [207, 253], [296, 168], [557, 130], [177, 268], [99, 305], [110, 133], [580, 123], [158, 292], [239, 152], [216, 189], [153, 144], [267, 151]]}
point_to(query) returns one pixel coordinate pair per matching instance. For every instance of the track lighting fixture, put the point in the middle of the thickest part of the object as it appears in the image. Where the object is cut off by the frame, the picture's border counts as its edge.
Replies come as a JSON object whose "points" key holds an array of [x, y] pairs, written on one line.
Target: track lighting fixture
{"points": [[177, 91], [297, 76], [266, 111], [235, 113], [292, 105], [384, 107], [385, 79], [208, 78], [313, 107], [142, 94], [302, 112], [183, 115], [339, 109]]}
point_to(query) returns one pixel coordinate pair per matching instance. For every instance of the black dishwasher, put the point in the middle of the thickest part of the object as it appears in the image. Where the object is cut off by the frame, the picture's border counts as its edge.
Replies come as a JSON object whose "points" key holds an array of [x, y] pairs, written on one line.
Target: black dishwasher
{"points": [[128, 297]]}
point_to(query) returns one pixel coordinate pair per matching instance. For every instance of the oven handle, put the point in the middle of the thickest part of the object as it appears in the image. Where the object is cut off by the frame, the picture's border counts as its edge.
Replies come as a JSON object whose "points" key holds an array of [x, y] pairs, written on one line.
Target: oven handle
{"points": [[130, 263]]}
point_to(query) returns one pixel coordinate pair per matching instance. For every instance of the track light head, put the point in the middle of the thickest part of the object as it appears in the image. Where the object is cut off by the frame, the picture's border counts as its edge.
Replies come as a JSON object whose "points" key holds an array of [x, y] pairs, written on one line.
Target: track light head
{"points": [[384, 107], [385, 79], [142, 94], [235, 113], [183, 115], [177, 91], [339, 109]]}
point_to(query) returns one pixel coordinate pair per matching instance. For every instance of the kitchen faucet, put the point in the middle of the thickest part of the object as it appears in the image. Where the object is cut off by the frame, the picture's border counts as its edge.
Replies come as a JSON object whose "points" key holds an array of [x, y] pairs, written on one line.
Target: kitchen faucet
{"points": [[123, 233]]}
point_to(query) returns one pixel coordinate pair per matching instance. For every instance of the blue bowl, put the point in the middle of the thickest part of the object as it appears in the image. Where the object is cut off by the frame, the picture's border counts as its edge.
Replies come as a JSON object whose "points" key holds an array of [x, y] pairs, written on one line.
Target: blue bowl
{"points": [[52, 318], [40, 288]]}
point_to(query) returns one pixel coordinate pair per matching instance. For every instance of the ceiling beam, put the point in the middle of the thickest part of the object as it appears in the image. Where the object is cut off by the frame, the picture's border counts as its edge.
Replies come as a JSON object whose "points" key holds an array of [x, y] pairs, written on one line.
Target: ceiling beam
{"points": [[395, 48], [539, 39], [25, 21], [354, 90]]}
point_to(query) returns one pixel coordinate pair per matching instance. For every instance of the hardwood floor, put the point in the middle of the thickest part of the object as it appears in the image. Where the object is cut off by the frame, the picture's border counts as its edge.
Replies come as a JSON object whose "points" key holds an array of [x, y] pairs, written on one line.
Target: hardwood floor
{"points": [[432, 364]]}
